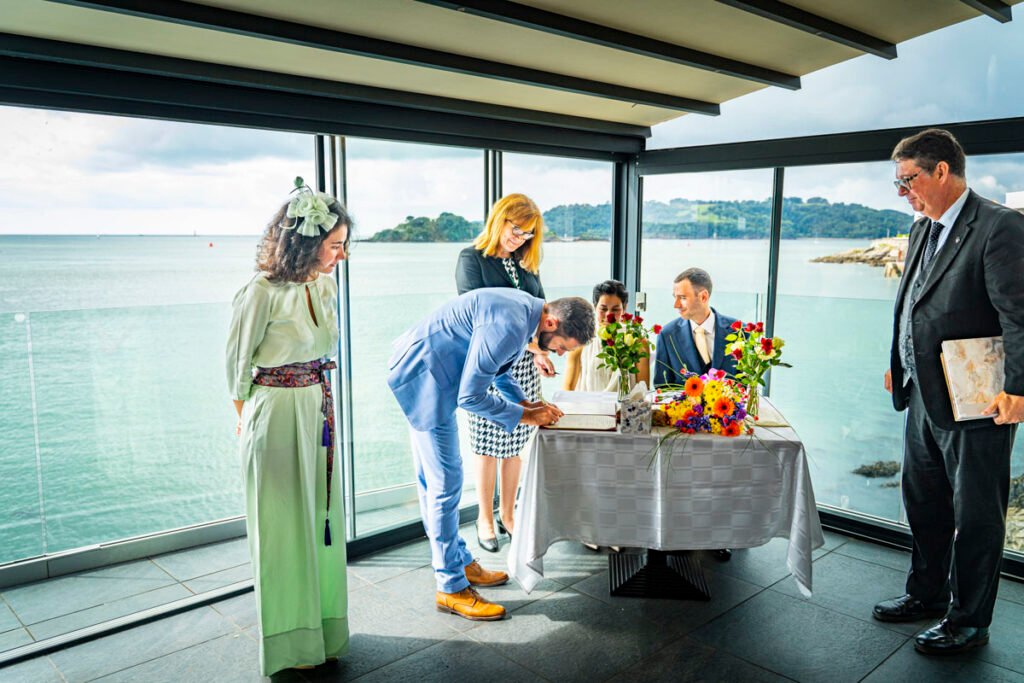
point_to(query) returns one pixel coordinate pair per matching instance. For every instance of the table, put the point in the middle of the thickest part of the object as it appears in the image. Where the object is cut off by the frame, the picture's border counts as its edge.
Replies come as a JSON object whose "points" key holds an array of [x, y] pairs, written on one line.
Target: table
{"points": [[714, 492]]}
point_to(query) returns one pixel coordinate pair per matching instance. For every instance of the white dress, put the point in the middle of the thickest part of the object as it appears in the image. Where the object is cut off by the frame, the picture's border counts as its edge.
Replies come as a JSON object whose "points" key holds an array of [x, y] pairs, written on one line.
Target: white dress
{"points": [[593, 378]]}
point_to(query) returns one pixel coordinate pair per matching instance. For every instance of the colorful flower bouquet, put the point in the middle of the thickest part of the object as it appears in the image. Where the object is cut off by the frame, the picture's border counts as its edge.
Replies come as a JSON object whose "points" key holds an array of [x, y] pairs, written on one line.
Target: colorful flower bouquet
{"points": [[623, 344], [709, 403], [755, 354]]}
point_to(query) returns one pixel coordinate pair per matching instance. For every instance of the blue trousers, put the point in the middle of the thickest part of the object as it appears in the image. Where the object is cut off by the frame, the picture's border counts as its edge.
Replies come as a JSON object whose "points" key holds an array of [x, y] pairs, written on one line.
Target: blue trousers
{"points": [[439, 480]]}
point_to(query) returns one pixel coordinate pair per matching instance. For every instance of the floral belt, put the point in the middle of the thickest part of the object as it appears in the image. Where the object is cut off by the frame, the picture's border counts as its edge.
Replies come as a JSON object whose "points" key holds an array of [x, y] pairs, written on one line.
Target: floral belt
{"points": [[299, 375]]}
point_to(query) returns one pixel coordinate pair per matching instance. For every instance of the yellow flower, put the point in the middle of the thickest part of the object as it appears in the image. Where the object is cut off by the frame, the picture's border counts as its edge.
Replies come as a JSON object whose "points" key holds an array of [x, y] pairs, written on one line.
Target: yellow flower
{"points": [[603, 333]]}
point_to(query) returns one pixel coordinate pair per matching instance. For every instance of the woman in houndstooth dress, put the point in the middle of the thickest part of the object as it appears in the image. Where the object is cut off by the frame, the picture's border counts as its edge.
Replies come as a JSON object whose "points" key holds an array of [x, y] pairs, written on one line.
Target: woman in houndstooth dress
{"points": [[506, 254]]}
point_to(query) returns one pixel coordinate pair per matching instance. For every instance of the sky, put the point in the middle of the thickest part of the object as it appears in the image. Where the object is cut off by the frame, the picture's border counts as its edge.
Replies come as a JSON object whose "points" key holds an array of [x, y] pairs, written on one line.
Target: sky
{"points": [[69, 173]]}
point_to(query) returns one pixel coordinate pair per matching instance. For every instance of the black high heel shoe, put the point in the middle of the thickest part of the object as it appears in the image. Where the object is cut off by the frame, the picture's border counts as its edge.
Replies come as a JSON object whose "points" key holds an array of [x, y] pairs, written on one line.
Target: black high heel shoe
{"points": [[488, 544], [501, 526]]}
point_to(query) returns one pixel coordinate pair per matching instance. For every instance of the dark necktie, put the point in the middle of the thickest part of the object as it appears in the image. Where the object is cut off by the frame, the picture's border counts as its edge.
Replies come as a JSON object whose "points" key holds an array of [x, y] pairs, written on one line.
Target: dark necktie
{"points": [[933, 242]]}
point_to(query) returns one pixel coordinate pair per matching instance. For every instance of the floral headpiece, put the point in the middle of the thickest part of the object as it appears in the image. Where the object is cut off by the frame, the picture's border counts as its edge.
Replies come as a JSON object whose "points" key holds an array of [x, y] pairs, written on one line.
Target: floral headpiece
{"points": [[310, 211]]}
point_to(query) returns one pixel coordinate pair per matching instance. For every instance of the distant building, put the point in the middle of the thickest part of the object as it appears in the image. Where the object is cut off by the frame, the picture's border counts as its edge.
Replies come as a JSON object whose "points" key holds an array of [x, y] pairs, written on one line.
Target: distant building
{"points": [[1015, 200]]}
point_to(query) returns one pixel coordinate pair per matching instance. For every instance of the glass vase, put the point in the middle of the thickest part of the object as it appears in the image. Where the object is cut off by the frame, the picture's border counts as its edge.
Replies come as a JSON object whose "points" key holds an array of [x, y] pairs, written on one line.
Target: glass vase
{"points": [[753, 402], [623, 385]]}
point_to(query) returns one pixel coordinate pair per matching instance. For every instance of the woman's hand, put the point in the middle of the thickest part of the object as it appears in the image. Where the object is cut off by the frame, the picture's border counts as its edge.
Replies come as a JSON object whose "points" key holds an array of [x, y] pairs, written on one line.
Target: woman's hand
{"points": [[238, 409], [540, 358], [544, 365]]}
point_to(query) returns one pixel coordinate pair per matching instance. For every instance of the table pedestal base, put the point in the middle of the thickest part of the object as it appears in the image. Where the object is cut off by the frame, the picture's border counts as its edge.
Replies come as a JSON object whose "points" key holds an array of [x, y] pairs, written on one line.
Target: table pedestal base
{"points": [[658, 574]]}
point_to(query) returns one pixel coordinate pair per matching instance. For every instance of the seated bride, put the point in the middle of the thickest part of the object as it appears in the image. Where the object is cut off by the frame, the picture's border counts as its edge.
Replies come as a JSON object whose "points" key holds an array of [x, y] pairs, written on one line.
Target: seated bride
{"points": [[581, 369]]}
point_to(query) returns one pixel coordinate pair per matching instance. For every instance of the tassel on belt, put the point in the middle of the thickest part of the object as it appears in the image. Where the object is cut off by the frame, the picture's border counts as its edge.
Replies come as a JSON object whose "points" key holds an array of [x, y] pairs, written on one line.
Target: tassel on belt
{"points": [[298, 375]]}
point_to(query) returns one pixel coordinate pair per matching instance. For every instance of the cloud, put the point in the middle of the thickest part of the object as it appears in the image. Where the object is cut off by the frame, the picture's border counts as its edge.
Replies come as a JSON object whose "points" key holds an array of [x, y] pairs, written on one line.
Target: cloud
{"points": [[551, 181], [84, 173], [139, 142], [961, 73]]}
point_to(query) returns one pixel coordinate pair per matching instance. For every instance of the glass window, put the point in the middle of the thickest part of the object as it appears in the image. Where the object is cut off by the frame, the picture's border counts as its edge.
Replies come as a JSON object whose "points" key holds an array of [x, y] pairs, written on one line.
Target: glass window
{"points": [[123, 243], [836, 318], [867, 92], [575, 198], [719, 222], [415, 208]]}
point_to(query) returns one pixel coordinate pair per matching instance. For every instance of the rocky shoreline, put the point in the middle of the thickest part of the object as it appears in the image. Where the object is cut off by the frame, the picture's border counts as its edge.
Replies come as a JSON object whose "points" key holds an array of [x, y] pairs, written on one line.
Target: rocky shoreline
{"points": [[1015, 508], [886, 253]]}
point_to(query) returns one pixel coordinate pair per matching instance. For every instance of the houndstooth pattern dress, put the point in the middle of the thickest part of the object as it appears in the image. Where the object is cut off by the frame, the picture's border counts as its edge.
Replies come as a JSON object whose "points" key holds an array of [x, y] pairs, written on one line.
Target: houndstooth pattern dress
{"points": [[489, 438]]}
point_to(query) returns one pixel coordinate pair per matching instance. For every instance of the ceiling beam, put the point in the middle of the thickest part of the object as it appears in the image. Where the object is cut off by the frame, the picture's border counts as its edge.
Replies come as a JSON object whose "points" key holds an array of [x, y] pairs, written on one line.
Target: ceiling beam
{"points": [[997, 136], [999, 11], [278, 30], [68, 86], [597, 34], [43, 49], [816, 25]]}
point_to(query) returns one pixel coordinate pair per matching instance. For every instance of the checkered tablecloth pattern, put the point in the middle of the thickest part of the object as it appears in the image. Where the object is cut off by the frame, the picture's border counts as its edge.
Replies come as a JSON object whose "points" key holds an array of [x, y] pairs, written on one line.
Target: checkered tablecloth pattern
{"points": [[714, 492]]}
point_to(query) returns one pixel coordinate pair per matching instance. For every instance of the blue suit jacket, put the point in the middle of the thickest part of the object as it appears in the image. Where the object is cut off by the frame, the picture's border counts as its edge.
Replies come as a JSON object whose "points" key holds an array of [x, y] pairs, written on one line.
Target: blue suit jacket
{"points": [[451, 357], [677, 349]]}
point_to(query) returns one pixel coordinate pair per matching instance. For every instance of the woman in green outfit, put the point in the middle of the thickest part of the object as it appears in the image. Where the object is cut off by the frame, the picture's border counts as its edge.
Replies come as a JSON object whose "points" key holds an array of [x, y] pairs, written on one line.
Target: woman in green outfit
{"points": [[283, 331]]}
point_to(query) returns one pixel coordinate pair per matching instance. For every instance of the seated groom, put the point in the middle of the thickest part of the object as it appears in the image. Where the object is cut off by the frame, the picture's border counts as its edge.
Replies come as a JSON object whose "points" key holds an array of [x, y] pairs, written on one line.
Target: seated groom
{"points": [[448, 361], [696, 339]]}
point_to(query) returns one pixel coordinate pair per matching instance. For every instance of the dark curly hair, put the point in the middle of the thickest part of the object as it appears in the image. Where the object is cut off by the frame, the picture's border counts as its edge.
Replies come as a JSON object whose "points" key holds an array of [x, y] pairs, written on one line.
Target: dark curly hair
{"points": [[611, 288], [285, 255]]}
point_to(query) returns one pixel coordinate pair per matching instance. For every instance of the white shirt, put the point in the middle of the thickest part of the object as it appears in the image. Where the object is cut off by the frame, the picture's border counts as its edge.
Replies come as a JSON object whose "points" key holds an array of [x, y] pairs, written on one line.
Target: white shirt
{"points": [[709, 331], [949, 218]]}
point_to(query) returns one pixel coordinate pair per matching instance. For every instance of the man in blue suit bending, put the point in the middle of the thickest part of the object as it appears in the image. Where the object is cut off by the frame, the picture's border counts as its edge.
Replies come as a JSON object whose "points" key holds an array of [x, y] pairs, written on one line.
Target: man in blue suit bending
{"points": [[696, 339], [448, 361]]}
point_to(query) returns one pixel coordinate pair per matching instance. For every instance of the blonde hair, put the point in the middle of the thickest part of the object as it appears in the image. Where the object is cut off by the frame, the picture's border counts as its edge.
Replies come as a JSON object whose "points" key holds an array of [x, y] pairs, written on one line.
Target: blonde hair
{"points": [[521, 210]]}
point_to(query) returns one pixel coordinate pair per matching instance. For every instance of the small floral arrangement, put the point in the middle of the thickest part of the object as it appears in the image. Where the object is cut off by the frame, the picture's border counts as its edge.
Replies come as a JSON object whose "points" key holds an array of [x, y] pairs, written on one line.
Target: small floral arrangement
{"points": [[709, 403], [623, 343], [755, 354], [310, 211]]}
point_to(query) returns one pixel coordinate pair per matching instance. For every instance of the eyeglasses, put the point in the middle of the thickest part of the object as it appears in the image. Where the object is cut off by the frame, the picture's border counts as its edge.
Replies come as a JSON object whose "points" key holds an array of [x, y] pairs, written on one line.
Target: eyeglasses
{"points": [[519, 232], [904, 182]]}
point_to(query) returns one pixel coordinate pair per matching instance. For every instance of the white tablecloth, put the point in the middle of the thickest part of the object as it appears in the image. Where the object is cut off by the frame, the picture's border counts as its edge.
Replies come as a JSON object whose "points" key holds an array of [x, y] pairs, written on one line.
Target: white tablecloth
{"points": [[716, 492]]}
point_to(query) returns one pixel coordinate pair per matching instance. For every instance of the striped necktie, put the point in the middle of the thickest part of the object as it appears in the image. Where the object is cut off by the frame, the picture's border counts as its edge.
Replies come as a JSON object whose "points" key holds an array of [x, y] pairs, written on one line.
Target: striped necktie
{"points": [[933, 242]]}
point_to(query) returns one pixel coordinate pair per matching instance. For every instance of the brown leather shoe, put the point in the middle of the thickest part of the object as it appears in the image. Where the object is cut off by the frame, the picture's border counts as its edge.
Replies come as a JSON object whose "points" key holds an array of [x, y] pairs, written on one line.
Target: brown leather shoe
{"points": [[469, 604], [478, 576]]}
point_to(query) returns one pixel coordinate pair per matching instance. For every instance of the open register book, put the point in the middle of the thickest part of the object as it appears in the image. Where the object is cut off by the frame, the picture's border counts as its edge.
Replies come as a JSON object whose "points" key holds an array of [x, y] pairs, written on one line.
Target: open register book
{"points": [[585, 410], [974, 374]]}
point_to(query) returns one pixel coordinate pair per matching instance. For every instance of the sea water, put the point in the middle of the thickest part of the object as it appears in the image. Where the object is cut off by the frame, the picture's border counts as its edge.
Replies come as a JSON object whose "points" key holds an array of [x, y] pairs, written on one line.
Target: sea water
{"points": [[114, 412]]}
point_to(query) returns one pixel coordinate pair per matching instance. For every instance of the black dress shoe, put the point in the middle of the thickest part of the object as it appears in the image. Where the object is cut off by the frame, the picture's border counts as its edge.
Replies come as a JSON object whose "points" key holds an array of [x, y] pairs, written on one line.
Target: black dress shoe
{"points": [[946, 639], [488, 544], [722, 554], [907, 608]]}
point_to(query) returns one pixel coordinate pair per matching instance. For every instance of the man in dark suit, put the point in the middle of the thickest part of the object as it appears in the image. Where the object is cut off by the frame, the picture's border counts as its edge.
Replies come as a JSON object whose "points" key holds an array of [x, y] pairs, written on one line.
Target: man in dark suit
{"points": [[964, 278], [696, 339]]}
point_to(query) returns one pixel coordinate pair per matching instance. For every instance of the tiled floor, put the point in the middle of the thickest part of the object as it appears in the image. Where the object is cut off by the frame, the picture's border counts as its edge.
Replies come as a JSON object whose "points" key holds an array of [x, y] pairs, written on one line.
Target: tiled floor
{"points": [[757, 627], [56, 606]]}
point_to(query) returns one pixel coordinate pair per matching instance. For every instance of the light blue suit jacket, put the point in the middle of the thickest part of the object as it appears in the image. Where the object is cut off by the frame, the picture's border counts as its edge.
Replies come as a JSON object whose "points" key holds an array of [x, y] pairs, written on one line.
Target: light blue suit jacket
{"points": [[451, 357]]}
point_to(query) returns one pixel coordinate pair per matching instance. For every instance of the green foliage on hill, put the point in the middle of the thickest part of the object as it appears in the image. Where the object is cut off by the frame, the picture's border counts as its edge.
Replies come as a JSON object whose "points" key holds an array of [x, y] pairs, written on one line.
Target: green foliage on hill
{"points": [[448, 227], [682, 219]]}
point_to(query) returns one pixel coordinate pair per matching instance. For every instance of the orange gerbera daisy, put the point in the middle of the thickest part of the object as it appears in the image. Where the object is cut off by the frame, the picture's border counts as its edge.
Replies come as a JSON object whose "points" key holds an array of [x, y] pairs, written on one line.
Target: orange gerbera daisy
{"points": [[723, 406], [733, 429], [693, 386]]}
